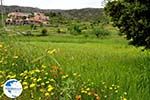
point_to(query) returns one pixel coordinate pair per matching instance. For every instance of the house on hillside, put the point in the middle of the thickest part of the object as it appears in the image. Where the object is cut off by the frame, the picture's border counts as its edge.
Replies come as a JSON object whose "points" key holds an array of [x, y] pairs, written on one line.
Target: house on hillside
{"points": [[39, 18], [19, 18]]}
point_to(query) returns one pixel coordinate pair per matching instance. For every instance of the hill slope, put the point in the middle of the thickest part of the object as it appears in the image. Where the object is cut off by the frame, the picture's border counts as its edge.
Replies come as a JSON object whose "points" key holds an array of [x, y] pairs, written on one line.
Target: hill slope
{"points": [[82, 14]]}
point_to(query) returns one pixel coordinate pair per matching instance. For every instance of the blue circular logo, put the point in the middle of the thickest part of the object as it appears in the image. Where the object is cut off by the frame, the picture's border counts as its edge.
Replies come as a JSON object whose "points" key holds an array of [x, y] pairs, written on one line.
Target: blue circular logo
{"points": [[12, 88]]}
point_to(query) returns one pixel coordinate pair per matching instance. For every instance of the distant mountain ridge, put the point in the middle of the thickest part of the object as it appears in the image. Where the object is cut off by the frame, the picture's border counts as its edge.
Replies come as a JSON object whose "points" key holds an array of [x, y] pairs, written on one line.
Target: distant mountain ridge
{"points": [[82, 14]]}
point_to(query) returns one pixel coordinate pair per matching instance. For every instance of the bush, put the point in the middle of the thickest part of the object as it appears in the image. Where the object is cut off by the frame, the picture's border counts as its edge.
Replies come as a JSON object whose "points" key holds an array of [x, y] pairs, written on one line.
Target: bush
{"points": [[59, 30], [44, 32], [75, 29], [100, 32]]}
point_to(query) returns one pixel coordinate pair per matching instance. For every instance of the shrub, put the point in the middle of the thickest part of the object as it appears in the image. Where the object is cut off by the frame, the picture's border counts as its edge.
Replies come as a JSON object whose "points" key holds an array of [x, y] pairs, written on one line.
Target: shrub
{"points": [[100, 32], [44, 32], [59, 30], [75, 29]]}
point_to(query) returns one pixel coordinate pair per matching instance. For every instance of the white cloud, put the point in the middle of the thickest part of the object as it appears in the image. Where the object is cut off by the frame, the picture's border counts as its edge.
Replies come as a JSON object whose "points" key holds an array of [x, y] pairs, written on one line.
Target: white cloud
{"points": [[56, 4]]}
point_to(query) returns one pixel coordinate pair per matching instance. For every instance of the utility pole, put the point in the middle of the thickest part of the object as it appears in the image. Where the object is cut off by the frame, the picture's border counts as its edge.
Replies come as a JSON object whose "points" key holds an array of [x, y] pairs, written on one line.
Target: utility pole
{"points": [[2, 16]]}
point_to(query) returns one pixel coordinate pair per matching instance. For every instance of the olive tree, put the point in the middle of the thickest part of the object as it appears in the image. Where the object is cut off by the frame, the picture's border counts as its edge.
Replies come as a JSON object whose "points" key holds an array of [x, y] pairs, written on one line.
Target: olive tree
{"points": [[132, 18]]}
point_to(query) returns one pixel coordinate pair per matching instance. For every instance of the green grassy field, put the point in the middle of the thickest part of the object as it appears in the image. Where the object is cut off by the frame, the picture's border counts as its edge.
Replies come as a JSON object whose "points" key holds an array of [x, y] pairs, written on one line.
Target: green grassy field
{"points": [[104, 62]]}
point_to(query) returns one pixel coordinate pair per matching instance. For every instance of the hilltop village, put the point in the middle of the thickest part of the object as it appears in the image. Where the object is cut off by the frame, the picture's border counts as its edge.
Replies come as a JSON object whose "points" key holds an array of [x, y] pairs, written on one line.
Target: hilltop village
{"points": [[19, 18]]}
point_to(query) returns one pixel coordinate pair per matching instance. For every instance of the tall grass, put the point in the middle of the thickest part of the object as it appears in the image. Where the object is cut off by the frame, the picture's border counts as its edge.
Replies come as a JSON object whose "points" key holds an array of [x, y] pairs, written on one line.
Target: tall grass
{"points": [[109, 60]]}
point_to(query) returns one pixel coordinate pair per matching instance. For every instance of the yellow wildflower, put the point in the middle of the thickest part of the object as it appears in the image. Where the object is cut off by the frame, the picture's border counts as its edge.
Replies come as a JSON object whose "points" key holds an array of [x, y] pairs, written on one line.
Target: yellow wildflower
{"points": [[116, 91], [78, 97], [1, 85], [32, 85], [124, 98], [110, 88], [103, 83], [51, 51], [8, 76], [39, 79], [26, 87], [41, 90], [26, 77], [5, 50], [13, 64], [32, 72], [37, 70], [46, 73], [1, 71], [42, 70], [1, 45], [65, 76], [118, 86], [52, 93], [125, 93], [79, 75], [15, 57], [43, 84], [74, 74], [47, 94], [24, 83], [83, 91], [25, 71], [43, 66], [50, 88], [88, 89], [34, 79], [52, 80], [13, 76], [89, 93], [21, 74], [47, 82]]}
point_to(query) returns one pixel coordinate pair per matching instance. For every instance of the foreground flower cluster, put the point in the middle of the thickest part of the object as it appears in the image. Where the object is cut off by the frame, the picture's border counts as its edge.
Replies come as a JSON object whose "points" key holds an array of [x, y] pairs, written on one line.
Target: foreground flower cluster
{"points": [[43, 82]]}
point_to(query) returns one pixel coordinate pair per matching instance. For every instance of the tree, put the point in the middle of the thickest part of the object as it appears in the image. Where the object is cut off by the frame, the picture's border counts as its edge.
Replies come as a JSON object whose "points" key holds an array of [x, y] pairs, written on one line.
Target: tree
{"points": [[132, 18]]}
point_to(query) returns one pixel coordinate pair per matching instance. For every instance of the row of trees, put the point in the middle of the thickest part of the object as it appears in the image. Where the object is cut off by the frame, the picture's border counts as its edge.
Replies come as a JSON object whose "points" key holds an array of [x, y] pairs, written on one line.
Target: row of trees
{"points": [[132, 18]]}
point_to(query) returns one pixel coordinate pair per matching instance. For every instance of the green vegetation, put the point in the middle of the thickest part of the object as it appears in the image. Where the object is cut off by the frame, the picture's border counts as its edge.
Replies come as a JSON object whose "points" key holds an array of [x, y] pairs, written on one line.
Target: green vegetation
{"points": [[73, 60], [86, 14], [100, 32], [44, 32], [113, 67], [132, 18]]}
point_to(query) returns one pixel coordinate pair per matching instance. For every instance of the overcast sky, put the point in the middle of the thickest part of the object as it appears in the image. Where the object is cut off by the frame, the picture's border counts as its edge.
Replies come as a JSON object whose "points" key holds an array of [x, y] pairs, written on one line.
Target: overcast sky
{"points": [[56, 4]]}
